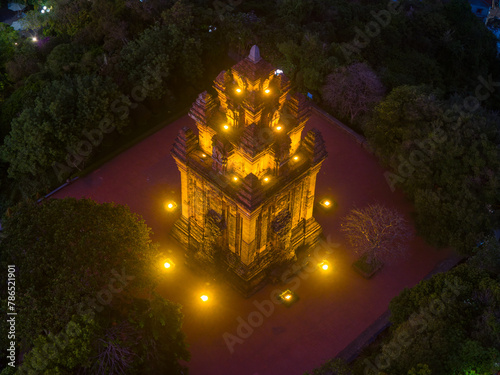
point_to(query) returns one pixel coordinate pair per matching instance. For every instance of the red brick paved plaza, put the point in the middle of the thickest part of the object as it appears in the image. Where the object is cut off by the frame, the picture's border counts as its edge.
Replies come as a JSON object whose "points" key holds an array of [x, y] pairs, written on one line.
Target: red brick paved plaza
{"points": [[334, 307]]}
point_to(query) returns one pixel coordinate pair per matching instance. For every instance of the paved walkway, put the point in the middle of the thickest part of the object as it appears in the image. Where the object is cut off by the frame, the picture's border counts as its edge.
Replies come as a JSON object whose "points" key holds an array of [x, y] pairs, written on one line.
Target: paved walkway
{"points": [[334, 308]]}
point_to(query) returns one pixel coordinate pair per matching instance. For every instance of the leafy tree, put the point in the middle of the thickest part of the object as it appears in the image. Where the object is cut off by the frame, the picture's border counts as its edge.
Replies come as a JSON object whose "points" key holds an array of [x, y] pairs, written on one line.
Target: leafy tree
{"points": [[69, 18], [475, 359], [352, 91], [294, 11], [8, 371], [139, 337], [108, 23], [34, 20], [240, 31], [163, 343], [487, 257], [421, 369], [467, 33], [8, 38], [261, 9], [335, 366], [54, 128], [167, 46], [8, 192], [444, 39], [406, 67], [63, 59], [459, 282], [422, 138], [376, 232], [66, 252], [398, 117], [441, 323], [111, 25], [149, 11], [147, 59], [24, 62], [15, 103], [185, 51], [69, 349], [306, 63]]}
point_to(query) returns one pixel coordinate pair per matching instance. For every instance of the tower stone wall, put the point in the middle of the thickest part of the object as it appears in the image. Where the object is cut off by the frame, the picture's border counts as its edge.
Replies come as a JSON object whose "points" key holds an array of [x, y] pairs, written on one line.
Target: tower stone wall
{"points": [[248, 178]]}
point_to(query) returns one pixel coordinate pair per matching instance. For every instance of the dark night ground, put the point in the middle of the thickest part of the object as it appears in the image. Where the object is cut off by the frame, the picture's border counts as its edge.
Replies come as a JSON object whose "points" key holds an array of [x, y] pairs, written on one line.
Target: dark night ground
{"points": [[334, 308]]}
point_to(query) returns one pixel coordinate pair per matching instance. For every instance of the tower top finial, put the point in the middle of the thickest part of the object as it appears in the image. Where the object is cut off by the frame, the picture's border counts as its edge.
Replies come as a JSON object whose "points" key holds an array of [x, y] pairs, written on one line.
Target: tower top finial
{"points": [[254, 55]]}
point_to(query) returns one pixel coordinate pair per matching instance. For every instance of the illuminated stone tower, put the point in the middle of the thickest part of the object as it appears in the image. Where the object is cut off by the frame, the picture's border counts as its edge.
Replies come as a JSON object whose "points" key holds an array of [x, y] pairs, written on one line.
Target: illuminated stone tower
{"points": [[248, 179]]}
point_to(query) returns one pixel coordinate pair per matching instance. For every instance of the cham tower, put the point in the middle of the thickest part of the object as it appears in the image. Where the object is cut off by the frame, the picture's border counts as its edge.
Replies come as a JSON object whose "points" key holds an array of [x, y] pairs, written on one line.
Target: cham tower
{"points": [[248, 178]]}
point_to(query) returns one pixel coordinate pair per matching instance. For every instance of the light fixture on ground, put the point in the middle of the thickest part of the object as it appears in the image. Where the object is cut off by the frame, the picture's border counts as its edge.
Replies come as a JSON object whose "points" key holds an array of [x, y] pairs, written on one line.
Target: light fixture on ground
{"points": [[326, 203], [238, 90], [170, 206], [296, 158], [168, 264], [266, 179], [324, 265], [278, 128], [203, 155], [226, 127], [204, 297], [288, 297], [267, 91], [235, 178]]}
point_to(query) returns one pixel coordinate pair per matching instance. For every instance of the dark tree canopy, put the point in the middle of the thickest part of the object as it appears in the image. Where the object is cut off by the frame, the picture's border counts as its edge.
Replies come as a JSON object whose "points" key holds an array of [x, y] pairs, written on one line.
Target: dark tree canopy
{"points": [[57, 127], [83, 262], [449, 323], [65, 251], [445, 157]]}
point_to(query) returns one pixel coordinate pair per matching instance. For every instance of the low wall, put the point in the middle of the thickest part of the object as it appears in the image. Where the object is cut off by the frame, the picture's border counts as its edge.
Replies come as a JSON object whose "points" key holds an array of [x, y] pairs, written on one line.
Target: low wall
{"points": [[332, 120]]}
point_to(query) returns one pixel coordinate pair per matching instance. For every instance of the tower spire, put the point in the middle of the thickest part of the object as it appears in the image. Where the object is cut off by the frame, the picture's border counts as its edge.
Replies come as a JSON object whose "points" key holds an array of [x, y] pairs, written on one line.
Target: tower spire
{"points": [[254, 55]]}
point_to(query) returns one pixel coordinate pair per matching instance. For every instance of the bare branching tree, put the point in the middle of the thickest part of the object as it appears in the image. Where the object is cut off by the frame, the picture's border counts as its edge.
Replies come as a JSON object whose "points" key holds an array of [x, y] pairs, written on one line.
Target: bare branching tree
{"points": [[353, 90], [115, 353], [377, 232]]}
